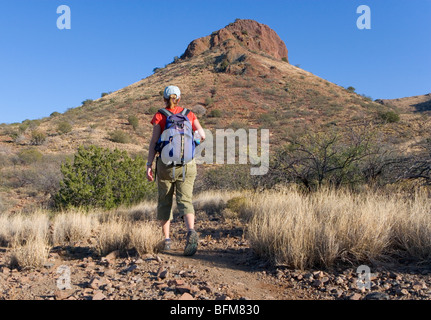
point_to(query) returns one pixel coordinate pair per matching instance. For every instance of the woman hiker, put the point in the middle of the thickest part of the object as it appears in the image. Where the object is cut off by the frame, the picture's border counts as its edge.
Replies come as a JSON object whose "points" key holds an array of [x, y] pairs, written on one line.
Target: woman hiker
{"points": [[170, 180]]}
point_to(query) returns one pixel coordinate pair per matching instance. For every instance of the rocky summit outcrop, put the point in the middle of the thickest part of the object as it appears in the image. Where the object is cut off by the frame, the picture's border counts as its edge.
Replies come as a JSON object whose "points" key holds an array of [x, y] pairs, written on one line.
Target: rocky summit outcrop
{"points": [[239, 37]]}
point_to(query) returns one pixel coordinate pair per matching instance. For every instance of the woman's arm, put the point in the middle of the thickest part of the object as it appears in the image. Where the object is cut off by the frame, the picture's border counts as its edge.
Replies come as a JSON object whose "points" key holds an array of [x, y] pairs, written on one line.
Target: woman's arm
{"points": [[151, 151], [200, 130]]}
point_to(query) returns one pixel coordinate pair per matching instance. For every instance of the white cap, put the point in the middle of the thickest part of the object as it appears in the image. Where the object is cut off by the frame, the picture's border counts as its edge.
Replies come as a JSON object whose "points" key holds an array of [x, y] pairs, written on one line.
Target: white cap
{"points": [[172, 90]]}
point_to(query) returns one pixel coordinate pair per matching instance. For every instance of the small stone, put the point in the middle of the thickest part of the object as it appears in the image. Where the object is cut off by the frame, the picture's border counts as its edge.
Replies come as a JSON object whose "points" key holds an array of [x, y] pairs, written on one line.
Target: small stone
{"points": [[207, 289], [179, 282], [355, 296], [186, 296], [395, 276], [99, 296], [419, 286], [95, 283], [402, 292], [183, 289], [325, 279], [308, 276], [339, 280], [377, 296], [161, 286], [62, 294], [130, 269], [163, 274], [5, 270]]}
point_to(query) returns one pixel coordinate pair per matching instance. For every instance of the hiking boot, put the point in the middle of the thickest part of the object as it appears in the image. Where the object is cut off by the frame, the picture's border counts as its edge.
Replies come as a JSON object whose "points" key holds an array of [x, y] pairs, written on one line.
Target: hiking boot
{"points": [[191, 243], [167, 246]]}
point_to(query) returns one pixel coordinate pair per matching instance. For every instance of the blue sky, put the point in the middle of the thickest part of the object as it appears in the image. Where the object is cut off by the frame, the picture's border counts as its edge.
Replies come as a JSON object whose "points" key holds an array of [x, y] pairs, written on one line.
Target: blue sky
{"points": [[113, 43]]}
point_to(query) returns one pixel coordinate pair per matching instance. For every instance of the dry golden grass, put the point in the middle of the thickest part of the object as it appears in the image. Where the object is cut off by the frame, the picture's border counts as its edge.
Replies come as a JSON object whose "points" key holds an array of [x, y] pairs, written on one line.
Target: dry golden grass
{"points": [[27, 237], [121, 234], [304, 231], [285, 226], [72, 227], [19, 229], [113, 235], [146, 238], [32, 254]]}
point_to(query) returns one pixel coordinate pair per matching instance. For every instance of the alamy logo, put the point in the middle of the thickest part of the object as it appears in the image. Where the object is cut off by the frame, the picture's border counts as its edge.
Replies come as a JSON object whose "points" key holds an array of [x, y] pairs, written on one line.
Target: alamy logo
{"points": [[63, 281], [364, 277], [364, 20], [64, 21], [225, 142]]}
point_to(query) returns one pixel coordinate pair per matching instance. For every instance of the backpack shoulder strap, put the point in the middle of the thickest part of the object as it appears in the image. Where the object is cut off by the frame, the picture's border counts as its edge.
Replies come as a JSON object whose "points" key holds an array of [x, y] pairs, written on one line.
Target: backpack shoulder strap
{"points": [[185, 112], [165, 112]]}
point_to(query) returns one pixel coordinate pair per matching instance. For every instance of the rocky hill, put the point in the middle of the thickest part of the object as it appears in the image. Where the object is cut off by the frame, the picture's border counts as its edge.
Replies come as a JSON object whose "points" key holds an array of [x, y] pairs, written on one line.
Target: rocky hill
{"points": [[415, 104]]}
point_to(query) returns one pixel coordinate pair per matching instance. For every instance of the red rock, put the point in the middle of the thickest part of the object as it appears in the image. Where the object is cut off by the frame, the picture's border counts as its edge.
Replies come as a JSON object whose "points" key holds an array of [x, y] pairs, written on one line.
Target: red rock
{"points": [[183, 289], [355, 296], [186, 296], [99, 296], [240, 37], [62, 294]]}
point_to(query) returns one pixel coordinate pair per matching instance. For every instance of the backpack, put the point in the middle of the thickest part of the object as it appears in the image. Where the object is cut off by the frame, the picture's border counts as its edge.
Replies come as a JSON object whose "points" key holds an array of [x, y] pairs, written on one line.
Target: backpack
{"points": [[176, 144]]}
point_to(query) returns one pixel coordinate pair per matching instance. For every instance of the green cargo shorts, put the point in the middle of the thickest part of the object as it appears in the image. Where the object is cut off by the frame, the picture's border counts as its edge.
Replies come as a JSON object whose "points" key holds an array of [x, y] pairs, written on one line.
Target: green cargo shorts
{"points": [[168, 183]]}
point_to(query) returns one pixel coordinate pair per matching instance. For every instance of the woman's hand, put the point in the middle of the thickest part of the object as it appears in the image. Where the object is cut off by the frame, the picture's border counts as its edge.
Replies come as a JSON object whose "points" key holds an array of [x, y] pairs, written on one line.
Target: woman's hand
{"points": [[150, 174]]}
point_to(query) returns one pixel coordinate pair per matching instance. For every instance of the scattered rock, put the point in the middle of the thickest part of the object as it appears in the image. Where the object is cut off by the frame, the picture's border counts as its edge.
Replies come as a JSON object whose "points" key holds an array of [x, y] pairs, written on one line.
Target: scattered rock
{"points": [[183, 288], [62, 294], [95, 283], [186, 296], [5, 270], [402, 292], [98, 295], [377, 296], [355, 296], [162, 273], [130, 269]]}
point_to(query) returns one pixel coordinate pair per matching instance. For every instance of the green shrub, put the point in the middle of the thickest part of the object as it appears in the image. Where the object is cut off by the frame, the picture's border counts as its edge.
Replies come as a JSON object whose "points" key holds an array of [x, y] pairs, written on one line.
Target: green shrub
{"points": [[55, 114], [389, 116], [87, 102], [266, 119], [101, 178], [37, 138], [64, 127], [29, 156], [209, 101], [227, 177], [215, 113], [351, 89], [152, 110], [284, 59], [133, 121], [119, 136]]}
